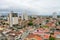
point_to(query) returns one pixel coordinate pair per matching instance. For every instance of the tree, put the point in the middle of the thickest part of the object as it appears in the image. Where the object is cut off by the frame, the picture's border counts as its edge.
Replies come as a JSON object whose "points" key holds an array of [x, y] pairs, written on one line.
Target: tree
{"points": [[3, 23], [51, 38], [44, 26], [30, 23], [47, 21], [59, 22]]}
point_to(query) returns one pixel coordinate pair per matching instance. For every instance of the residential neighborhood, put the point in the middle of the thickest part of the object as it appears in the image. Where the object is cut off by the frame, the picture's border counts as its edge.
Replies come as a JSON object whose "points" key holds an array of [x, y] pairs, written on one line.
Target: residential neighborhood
{"points": [[29, 28]]}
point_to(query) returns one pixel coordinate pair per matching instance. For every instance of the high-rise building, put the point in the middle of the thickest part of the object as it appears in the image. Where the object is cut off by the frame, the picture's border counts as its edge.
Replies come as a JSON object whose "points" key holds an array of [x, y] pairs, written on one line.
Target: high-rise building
{"points": [[24, 16], [13, 19], [54, 15]]}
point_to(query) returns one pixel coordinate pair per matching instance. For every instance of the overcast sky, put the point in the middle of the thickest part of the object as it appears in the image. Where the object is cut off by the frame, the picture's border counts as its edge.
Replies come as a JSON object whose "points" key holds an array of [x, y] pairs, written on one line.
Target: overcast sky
{"points": [[37, 6]]}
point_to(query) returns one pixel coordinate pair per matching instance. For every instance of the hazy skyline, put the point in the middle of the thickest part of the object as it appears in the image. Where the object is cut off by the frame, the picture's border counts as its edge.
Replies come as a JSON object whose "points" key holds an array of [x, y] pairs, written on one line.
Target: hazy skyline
{"points": [[38, 7]]}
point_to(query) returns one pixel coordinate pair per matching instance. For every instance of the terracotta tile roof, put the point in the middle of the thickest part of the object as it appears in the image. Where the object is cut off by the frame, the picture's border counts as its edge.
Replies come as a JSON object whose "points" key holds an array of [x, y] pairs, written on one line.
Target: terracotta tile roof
{"points": [[37, 37], [46, 36], [38, 31]]}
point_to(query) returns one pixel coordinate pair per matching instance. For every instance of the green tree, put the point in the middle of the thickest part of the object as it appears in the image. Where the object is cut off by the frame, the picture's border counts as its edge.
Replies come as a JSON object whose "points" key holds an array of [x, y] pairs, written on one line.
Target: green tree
{"points": [[44, 26], [59, 22], [47, 21], [51, 38], [30, 23], [3, 23]]}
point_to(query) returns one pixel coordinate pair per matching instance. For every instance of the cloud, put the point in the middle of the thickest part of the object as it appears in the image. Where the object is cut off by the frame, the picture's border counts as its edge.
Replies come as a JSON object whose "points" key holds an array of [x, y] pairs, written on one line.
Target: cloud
{"points": [[40, 6]]}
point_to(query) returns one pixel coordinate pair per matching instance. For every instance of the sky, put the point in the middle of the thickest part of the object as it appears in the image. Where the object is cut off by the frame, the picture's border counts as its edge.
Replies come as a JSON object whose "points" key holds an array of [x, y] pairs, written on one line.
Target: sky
{"points": [[37, 7]]}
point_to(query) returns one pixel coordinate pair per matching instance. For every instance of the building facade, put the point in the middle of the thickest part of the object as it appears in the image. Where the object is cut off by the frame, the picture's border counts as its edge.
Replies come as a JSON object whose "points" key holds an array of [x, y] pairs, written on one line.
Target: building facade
{"points": [[13, 19]]}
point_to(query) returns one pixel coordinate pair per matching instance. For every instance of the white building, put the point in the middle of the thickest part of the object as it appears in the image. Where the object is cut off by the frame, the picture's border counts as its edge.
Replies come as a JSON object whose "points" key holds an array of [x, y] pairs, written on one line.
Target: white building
{"points": [[24, 16], [58, 37], [13, 19], [54, 15]]}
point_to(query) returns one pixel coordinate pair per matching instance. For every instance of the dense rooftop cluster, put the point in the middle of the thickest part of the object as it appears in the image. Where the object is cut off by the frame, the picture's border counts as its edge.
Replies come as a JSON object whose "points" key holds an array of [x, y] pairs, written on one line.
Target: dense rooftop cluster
{"points": [[35, 28]]}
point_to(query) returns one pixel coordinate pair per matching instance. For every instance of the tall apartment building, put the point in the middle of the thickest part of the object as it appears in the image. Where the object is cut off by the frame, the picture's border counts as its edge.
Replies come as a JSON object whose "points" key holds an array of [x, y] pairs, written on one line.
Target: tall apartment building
{"points": [[24, 16], [54, 15], [13, 19]]}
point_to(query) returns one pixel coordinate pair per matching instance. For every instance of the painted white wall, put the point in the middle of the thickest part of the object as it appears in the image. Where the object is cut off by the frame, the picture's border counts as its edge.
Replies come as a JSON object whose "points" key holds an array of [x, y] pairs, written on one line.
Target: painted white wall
{"points": [[14, 20]]}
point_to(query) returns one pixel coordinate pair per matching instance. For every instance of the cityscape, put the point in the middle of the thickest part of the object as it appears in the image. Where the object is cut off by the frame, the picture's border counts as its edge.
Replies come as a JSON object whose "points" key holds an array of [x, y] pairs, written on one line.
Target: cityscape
{"points": [[29, 24], [29, 27]]}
